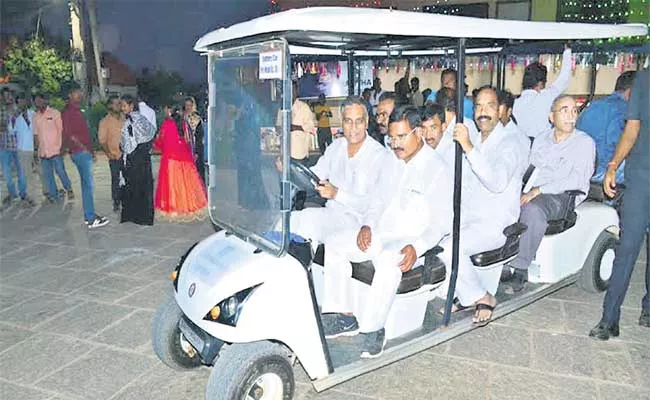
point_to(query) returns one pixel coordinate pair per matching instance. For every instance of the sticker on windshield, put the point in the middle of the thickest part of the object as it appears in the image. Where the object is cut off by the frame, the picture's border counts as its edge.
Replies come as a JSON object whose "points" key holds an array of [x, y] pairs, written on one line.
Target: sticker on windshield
{"points": [[271, 65]]}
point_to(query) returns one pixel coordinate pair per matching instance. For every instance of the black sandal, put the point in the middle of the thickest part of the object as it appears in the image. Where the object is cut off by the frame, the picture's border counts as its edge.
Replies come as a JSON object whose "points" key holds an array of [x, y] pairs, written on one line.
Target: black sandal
{"points": [[459, 307], [481, 307]]}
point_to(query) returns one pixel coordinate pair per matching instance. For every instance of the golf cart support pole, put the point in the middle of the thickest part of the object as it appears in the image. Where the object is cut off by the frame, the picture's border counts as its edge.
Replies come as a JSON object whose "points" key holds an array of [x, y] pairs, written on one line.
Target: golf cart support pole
{"points": [[350, 74], [458, 175]]}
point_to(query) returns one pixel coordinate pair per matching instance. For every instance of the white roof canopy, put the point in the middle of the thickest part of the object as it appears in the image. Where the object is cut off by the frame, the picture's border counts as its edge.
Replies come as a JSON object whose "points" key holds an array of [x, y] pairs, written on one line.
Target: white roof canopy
{"points": [[343, 28]]}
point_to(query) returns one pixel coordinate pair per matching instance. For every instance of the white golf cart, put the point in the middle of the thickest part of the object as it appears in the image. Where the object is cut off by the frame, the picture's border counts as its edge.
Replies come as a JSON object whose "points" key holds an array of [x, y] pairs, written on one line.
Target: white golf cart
{"points": [[245, 300]]}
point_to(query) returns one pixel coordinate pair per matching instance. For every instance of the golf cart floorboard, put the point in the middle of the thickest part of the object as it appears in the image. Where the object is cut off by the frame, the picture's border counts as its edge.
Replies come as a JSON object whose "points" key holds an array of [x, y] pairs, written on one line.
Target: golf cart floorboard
{"points": [[345, 351]]}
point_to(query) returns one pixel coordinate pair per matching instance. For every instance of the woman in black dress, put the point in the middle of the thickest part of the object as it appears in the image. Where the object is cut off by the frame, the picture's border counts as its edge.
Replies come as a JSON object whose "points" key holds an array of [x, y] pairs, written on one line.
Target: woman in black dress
{"points": [[137, 191]]}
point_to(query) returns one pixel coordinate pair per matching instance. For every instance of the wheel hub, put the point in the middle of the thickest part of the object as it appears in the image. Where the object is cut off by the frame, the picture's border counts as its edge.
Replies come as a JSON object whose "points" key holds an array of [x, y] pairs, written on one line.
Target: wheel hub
{"points": [[606, 264], [267, 387]]}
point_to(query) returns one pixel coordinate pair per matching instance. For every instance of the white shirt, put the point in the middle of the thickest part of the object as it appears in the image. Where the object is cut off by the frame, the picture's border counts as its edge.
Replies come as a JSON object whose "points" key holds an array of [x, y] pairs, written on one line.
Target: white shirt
{"points": [[447, 146], [148, 113], [355, 177], [374, 97], [524, 143], [532, 108], [567, 165], [413, 200], [492, 181]]}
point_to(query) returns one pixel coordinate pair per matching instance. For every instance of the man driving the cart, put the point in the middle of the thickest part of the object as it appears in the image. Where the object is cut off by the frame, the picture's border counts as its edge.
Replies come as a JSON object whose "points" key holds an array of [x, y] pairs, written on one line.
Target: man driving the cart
{"points": [[349, 170], [409, 213]]}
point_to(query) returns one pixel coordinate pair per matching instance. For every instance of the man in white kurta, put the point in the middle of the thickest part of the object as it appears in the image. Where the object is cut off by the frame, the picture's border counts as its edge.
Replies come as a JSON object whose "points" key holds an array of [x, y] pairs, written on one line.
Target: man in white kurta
{"points": [[492, 174], [532, 107], [410, 213], [349, 171], [446, 147]]}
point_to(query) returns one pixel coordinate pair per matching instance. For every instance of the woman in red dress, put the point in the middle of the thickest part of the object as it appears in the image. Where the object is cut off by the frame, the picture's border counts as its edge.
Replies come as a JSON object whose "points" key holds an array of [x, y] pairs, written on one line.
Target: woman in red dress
{"points": [[180, 194]]}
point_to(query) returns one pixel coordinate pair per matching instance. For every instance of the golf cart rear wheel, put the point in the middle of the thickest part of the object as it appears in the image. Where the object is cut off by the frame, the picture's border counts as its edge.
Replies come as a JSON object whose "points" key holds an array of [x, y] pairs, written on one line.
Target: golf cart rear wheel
{"points": [[595, 273], [252, 371], [166, 337]]}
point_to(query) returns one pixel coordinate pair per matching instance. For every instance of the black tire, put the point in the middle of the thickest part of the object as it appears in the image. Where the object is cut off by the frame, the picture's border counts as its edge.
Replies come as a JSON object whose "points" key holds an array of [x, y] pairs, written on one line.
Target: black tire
{"points": [[166, 337], [239, 366], [589, 278]]}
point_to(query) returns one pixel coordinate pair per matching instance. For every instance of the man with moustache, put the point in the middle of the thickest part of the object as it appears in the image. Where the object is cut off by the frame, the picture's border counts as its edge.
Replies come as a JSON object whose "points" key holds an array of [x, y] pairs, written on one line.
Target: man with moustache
{"points": [[349, 171], [492, 174], [411, 213], [385, 107], [446, 148], [564, 160], [433, 124]]}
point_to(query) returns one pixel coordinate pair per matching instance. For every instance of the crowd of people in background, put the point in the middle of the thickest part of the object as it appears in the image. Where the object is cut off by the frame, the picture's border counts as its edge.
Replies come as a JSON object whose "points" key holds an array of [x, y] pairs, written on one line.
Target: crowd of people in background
{"points": [[37, 140]]}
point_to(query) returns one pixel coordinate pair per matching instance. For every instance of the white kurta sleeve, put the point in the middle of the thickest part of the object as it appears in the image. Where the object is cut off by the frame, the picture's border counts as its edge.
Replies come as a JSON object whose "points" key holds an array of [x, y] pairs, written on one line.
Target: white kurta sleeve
{"points": [[440, 211], [563, 79], [495, 173]]}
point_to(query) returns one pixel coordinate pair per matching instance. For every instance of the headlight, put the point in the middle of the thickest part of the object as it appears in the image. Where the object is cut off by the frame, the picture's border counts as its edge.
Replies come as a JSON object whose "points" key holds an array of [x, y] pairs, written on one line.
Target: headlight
{"points": [[228, 310], [177, 270]]}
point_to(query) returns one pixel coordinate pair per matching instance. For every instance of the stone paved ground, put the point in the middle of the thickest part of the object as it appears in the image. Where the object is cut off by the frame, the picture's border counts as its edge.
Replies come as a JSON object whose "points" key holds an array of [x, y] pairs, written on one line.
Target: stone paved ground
{"points": [[75, 311]]}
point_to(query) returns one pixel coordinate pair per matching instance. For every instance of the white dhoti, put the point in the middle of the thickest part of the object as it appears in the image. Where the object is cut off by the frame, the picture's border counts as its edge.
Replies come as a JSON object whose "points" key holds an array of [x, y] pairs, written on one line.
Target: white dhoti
{"points": [[317, 224], [472, 284], [338, 289]]}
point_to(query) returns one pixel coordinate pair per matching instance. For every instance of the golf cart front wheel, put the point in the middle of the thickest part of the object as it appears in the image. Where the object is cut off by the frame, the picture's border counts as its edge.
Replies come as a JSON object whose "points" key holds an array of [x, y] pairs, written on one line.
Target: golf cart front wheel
{"points": [[167, 340], [252, 371], [597, 269]]}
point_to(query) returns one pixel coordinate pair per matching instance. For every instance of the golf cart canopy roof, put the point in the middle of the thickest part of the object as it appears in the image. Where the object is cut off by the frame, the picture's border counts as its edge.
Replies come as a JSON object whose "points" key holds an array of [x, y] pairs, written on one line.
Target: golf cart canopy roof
{"points": [[368, 29]]}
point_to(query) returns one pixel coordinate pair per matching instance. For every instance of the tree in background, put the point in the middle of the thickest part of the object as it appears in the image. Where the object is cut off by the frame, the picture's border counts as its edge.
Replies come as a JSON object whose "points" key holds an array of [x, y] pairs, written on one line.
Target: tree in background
{"points": [[39, 67], [160, 87]]}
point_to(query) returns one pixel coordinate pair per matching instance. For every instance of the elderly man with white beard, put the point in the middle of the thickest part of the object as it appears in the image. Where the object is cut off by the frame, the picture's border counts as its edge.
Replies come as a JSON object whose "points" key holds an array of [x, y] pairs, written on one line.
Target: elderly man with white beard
{"points": [[564, 160], [492, 172]]}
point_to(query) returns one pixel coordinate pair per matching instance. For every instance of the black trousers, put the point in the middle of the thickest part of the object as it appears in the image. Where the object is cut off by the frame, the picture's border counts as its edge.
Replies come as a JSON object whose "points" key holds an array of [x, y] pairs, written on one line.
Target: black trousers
{"points": [[634, 223], [324, 138], [116, 167]]}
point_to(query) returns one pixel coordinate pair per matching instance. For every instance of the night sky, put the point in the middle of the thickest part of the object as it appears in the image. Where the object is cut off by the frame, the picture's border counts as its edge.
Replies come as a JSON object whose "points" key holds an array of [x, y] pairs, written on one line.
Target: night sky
{"points": [[153, 33]]}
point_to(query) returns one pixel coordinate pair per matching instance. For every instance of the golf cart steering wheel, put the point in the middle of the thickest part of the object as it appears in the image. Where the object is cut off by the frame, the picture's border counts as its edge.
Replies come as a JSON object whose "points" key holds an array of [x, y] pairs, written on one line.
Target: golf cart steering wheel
{"points": [[302, 177]]}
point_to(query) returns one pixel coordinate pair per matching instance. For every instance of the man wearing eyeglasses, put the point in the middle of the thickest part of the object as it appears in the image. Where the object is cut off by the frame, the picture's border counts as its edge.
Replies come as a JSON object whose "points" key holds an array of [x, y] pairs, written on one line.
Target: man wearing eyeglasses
{"points": [[564, 160], [492, 172], [410, 213], [349, 171]]}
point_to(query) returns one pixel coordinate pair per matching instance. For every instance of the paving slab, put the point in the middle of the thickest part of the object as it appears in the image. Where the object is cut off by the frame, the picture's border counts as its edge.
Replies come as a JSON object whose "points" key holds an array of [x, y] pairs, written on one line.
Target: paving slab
{"points": [[11, 336], [98, 375], [563, 354], [132, 332], [164, 383], [150, 297], [10, 391], [86, 320], [504, 345], [111, 288], [38, 309], [39, 356]]}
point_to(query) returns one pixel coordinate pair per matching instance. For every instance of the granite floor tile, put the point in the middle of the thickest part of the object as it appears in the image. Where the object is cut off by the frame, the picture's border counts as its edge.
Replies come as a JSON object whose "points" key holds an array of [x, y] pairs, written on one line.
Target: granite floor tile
{"points": [[133, 332], [98, 375], [500, 344], [9, 391], [150, 297], [38, 310], [86, 320], [46, 354]]}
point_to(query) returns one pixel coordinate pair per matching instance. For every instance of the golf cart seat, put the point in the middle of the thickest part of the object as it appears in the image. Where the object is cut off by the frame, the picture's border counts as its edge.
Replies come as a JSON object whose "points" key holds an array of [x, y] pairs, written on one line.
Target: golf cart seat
{"points": [[569, 220], [508, 250], [432, 272]]}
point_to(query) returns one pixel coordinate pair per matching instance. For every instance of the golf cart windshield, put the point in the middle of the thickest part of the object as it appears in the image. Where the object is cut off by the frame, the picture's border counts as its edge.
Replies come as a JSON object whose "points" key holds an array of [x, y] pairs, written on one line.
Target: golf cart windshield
{"points": [[246, 88]]}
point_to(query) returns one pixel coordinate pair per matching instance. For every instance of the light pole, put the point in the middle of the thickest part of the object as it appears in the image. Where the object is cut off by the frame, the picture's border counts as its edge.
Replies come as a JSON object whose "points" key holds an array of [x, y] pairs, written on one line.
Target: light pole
{"points": [[79, 65], [92, 18]]}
